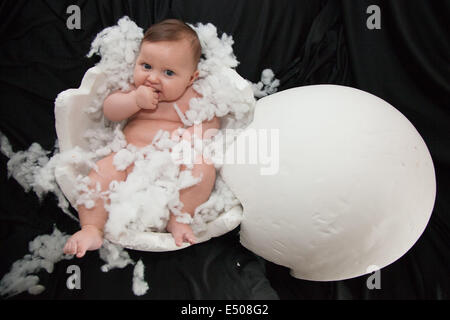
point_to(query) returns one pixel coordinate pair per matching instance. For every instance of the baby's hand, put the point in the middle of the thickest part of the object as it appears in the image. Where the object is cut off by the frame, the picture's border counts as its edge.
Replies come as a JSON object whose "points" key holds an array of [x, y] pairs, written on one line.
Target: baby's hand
{"points": [[146, 97]]}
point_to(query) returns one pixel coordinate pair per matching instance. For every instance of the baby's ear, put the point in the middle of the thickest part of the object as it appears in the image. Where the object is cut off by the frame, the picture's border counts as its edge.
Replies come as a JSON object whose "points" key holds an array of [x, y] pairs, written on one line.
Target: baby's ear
{"points": [[194, 77]]}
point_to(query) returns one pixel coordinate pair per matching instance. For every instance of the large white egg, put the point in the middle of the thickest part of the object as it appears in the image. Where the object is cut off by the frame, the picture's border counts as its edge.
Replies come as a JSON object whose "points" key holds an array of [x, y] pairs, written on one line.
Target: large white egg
{"points": [[347, 184]]}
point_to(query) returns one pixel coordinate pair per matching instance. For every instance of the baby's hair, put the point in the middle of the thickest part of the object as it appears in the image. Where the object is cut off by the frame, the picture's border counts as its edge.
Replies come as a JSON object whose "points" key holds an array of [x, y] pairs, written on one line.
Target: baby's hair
{"points": [[174, 30]]}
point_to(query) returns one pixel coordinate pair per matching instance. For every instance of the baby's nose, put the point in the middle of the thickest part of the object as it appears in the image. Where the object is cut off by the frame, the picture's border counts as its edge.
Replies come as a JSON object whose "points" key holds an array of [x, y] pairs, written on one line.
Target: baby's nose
{"points": [[153, 77]]}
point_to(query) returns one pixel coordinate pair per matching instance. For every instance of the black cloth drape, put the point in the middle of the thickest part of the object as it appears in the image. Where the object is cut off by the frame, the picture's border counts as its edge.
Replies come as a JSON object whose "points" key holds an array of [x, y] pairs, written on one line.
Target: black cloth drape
{"points": [[305, 42]]}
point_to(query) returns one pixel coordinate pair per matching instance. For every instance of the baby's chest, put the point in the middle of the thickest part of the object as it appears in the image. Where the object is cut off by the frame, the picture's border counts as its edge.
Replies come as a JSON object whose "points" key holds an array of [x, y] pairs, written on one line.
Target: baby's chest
{"points": [[173, 108], [168, 111]]}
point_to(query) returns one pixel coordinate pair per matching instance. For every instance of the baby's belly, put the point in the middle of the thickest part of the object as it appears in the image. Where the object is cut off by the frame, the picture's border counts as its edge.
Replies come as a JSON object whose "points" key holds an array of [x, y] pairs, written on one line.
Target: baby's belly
{"points": [[140, 132]]}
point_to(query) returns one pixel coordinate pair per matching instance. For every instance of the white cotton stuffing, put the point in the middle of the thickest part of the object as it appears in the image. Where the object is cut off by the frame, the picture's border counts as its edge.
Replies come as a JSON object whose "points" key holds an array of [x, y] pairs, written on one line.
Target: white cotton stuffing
{"points": [[118, 46], [220, 95], [104, 141], [5, 146], [33, 170], [114, 256], [140, 286], [152, 187], [268, 84], [123, 159], [24, 166], [45, 251], [79, 159], [88, 192]]}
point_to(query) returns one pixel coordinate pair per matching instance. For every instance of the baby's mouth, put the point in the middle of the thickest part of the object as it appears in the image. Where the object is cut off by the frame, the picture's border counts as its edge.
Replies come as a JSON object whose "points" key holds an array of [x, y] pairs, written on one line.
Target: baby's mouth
{"points": [[158, 92]]}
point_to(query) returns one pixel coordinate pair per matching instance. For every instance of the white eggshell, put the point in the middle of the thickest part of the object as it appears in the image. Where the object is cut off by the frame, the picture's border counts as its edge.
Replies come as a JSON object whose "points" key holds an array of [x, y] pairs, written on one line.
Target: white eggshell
{"points": [[350, 184], [71, 123]]}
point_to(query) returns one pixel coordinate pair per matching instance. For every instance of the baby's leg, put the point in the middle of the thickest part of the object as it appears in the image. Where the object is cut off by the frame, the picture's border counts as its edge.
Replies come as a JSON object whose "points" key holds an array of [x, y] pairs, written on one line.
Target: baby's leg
{"points": [[191, 198], [93, 220]]}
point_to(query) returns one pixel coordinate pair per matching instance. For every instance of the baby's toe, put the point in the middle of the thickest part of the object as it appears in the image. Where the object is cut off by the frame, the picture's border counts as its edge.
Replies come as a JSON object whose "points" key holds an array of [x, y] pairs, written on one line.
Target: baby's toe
{"points": [[190, 238], [179, 241], [70, 247], [66, 248], [81, 253], [81, 250]]}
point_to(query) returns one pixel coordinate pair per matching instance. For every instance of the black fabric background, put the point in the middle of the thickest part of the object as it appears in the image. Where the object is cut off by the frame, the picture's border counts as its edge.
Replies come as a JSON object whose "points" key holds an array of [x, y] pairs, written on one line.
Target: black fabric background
{"points": [[305, 42]]}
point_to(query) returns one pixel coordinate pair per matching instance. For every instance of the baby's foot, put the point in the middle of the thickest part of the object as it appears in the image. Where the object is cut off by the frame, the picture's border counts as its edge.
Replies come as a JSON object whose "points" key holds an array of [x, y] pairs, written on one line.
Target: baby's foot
{"points": [[180, 231], [88, 238]]}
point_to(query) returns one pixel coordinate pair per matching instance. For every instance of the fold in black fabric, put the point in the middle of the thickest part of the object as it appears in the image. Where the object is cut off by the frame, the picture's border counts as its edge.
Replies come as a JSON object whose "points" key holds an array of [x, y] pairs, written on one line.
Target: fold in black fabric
{"points": [[305, 42], [323, 57]]}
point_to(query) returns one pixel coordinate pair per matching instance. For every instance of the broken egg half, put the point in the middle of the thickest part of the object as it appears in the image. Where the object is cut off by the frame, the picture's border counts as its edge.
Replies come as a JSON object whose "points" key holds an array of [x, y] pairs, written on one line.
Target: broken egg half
{"points": [[334, 182]]}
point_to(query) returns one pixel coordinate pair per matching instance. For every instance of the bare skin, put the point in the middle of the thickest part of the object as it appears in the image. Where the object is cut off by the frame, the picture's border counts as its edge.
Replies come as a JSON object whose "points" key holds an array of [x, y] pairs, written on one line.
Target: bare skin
{"points": [[163, 75]]}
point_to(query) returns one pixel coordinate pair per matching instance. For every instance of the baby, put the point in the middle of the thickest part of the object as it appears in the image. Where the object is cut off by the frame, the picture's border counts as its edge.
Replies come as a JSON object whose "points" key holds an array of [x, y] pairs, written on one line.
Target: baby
{"points": [[165, 70]]}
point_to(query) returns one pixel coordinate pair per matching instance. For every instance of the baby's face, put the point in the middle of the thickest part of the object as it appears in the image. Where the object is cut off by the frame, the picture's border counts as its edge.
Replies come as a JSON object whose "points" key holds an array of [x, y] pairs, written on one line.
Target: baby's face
{"points": [[166, 66]]}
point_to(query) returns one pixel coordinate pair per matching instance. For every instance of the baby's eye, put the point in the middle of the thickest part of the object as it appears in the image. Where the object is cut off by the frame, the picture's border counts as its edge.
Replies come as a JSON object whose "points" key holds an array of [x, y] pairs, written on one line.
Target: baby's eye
{"points": [[147, 66], [169, 73]]}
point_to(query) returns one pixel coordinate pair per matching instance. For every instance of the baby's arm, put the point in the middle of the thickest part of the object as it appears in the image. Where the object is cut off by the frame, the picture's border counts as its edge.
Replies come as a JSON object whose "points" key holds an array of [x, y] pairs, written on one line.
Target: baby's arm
{"points": [[121, 105]]}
